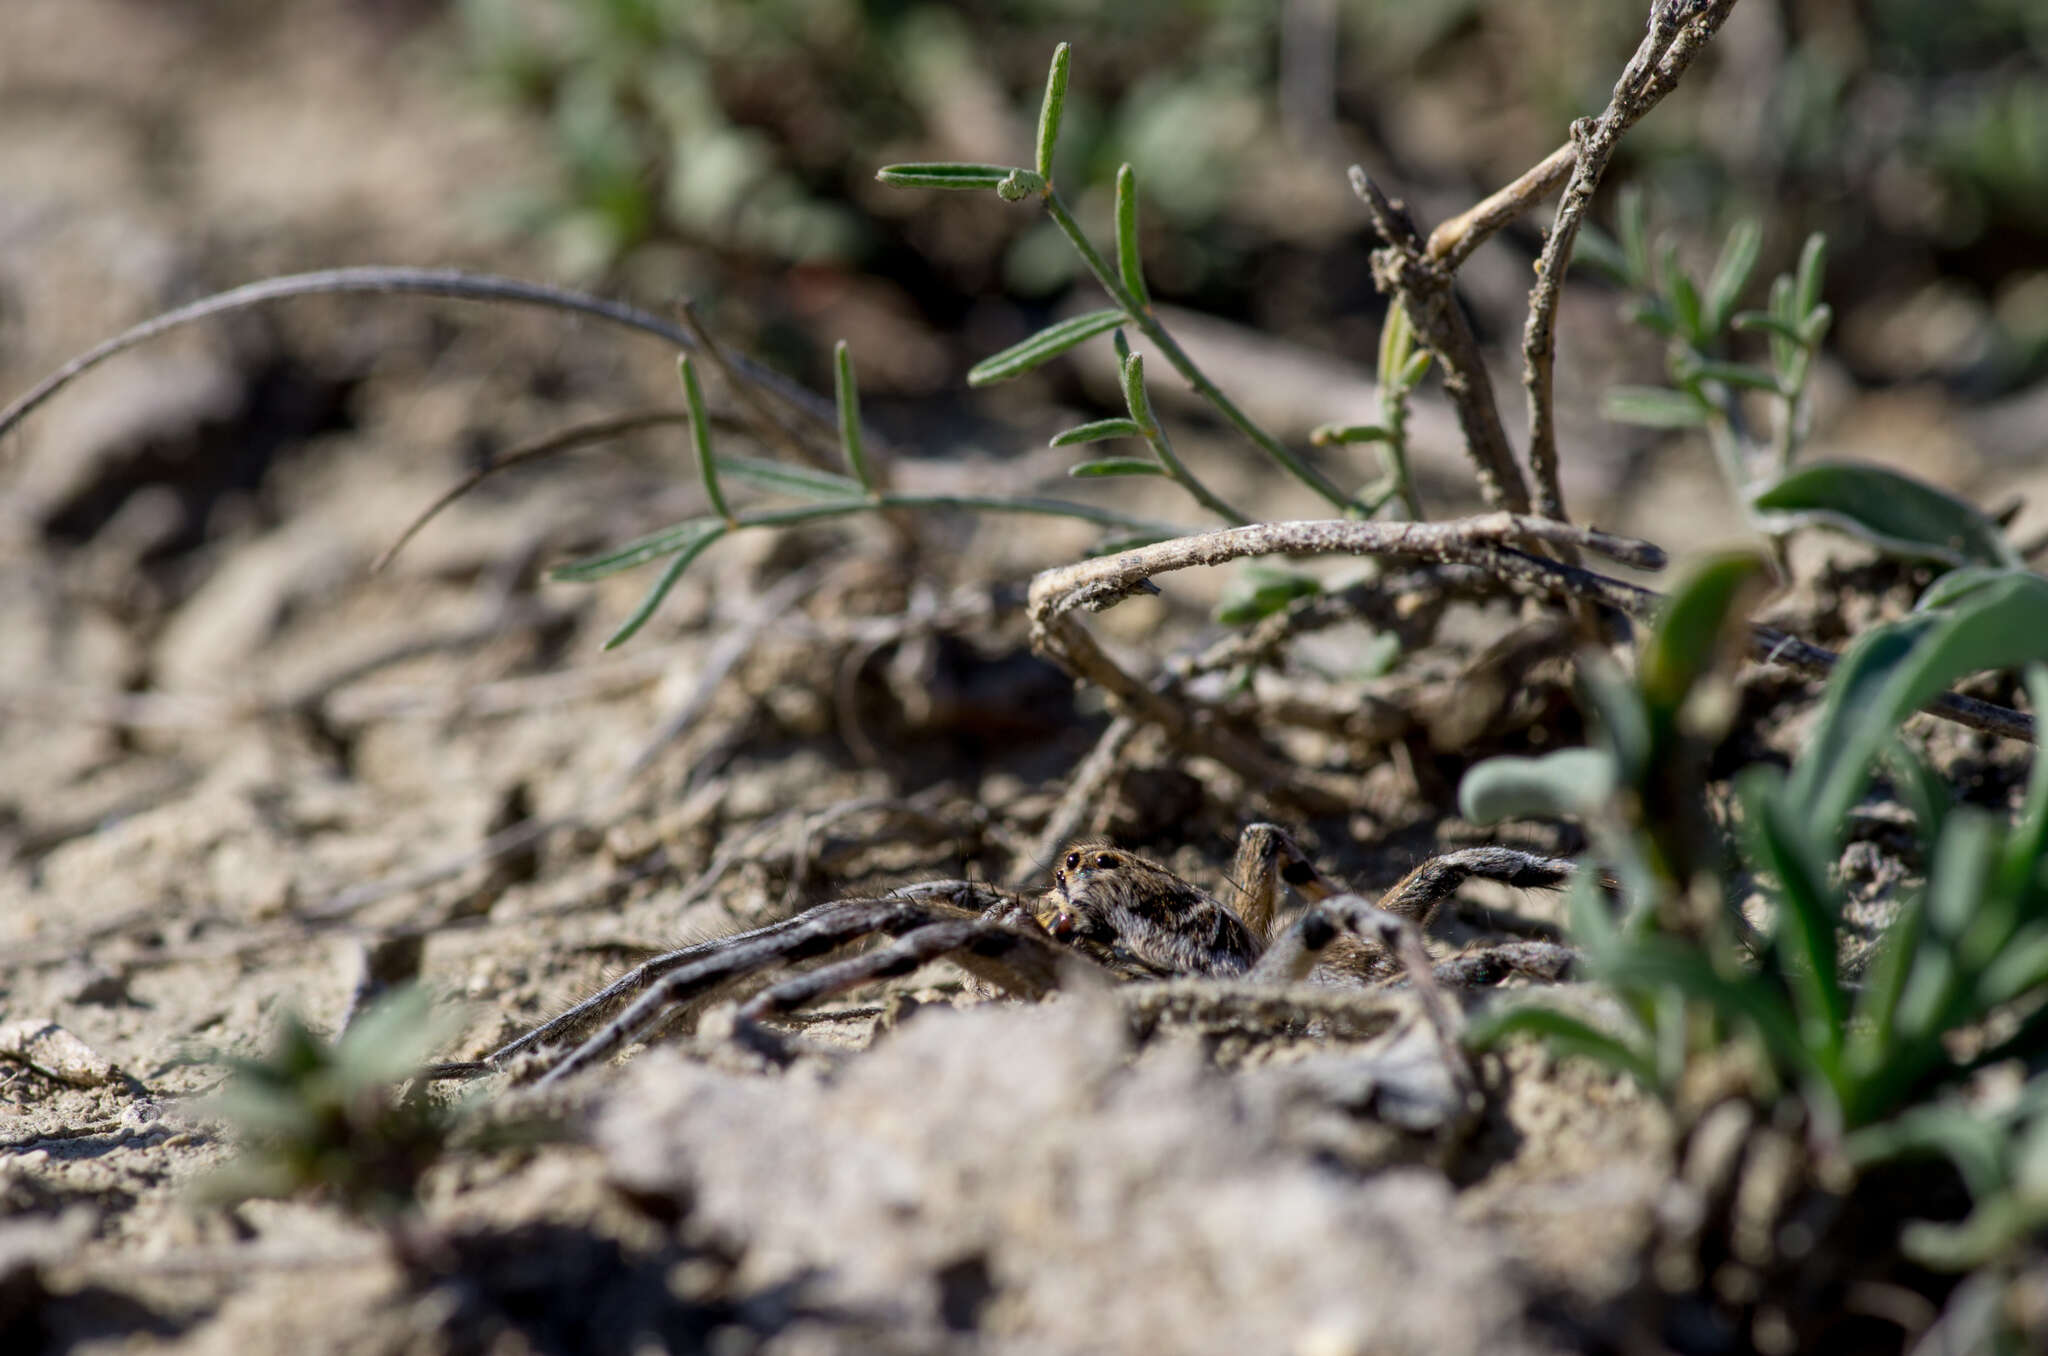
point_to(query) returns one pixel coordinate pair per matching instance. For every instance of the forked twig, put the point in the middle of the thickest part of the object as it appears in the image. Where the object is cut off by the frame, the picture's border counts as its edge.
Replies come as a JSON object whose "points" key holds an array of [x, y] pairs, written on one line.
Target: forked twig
{"points": [[1422, 282]]}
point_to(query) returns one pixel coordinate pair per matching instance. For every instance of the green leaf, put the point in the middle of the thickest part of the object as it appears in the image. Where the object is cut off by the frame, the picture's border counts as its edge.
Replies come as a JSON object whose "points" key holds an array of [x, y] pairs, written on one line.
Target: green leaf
{"points": [[1598, 250], [803, 481], [1043, 347], [1807, 909], [1656, 962], [943, 174], [847, 396], [1397, 343], [1049, 111], [1117, 466], [1894, 511], [2027, 846], [684, 536], [390, 1042], [1683, 296], [1747, 375], [1731, 273], [1632, 222], [1135, 398], [1099, 431], [1767, 323], [1567, 1034], [1260, 591], [1128, 264], [1653, 407], [700, 438], [1564, 783], [1700, 620], [1325, 434], [1813, 269], [668, 579]]}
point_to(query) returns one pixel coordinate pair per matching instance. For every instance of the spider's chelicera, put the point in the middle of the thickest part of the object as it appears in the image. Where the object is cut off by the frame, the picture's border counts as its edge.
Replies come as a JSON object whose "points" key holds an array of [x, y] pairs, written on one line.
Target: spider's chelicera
{"points": [[1109, 913]]}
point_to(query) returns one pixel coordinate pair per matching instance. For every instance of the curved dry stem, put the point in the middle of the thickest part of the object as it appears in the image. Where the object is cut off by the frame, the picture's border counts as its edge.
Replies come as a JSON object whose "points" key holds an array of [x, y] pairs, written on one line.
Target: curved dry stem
{"points": [[562, 440], [1676, 36], [1483, 542], [453, 284]]}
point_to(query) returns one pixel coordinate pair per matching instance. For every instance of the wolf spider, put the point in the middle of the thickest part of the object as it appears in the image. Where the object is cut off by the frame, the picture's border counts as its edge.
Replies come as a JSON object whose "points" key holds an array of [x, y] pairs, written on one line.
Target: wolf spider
{"points": [[1109, 914]]}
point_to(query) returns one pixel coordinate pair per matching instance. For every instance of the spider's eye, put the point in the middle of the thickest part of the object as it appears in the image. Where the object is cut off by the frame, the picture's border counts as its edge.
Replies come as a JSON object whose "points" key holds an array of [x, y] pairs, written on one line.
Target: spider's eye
{"points": [[1073, 860], [1106, 861]]}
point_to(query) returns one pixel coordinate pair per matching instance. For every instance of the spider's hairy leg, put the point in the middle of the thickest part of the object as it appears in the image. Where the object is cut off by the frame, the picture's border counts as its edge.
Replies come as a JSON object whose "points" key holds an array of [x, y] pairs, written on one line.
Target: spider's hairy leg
{"points": [[1268, 858], [1422, 891], [1006, 948]]}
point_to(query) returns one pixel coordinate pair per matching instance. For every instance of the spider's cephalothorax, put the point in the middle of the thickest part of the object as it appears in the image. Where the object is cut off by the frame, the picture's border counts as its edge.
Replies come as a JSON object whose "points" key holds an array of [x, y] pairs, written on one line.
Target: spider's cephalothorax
{"points": [[1103, 897]]}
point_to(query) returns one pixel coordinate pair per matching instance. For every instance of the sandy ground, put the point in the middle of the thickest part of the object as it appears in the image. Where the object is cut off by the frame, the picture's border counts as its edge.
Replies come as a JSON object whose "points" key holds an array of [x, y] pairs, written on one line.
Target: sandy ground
{"points": [[234, 762]]}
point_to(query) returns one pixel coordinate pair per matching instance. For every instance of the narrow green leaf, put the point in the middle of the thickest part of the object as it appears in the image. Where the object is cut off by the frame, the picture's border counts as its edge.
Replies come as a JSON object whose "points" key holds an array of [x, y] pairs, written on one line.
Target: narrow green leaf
{"points": [[1873, 1034], [1813, 268], [1326, 434], [803, 481], [1397, 342], [681, 537], [1731, 273], [1652, 314], [1654, 962], [1632, 221], [1747, 375], [1049, 111], [1567, 1034], [1653, 407], [1767, 323], [1122, 347], [700, 438], [940, 174], [1599, 250], [1129, 266], [1099, 431], [1566, 783], [1788, 350], [847, 392], [1117, 466], [1853, 722], [1414, 370], [1042, 347], [2020, 968], [1814, 328], [1698, 627], [1894, 511], [2027, 846], [1807, 908], [668, 579], [1683, 296], [1139, 403]]}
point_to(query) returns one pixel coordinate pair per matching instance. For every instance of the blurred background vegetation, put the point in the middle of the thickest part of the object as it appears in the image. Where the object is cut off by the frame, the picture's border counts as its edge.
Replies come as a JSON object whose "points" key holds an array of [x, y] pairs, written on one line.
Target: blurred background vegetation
{"points": [[726, 148]]}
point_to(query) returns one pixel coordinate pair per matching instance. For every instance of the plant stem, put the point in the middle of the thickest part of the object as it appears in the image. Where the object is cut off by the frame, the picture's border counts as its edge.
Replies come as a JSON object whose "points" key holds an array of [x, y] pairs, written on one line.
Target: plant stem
{"points": [[1148, 325]]}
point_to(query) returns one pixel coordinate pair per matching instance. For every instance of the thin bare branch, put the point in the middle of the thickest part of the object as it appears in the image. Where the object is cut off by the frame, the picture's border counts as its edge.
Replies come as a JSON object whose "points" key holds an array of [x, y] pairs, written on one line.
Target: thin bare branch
{"points": [[1451, 243], [1406, 269], [1678, 30]]}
